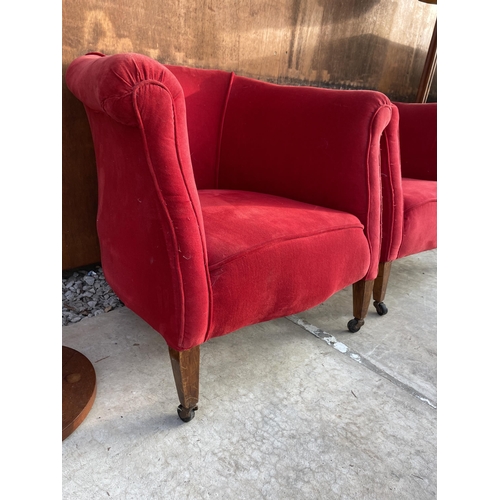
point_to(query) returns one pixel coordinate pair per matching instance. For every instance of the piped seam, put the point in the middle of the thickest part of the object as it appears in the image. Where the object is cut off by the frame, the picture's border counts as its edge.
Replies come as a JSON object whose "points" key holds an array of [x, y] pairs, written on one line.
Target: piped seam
{"points": [[219, 142], [283, 239]]}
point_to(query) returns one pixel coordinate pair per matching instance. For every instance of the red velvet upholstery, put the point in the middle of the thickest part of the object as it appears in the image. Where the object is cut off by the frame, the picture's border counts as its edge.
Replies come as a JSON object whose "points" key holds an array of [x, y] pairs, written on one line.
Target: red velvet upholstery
{"points": [[420, 216], [206, 95], [301, 143], [284, 256], [225, 201], [409, 194], [418, 142]]}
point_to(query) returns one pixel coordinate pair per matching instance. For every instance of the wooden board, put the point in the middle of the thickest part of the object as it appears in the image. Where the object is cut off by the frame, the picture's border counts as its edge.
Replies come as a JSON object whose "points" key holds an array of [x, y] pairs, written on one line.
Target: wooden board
{"points": [[78, 389]]}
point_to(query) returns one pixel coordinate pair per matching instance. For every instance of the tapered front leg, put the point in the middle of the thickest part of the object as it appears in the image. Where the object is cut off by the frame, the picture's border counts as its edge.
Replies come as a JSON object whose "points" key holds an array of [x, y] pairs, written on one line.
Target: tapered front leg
{"points": [[380, 287], [361, 296], [186, 368]]}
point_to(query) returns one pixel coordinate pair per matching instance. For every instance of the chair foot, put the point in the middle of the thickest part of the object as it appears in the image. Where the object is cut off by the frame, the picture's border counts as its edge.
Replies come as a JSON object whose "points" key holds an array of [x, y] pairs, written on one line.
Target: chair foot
{"points": [[355, 324], [381, 308], [186, 414], [380, 287]]}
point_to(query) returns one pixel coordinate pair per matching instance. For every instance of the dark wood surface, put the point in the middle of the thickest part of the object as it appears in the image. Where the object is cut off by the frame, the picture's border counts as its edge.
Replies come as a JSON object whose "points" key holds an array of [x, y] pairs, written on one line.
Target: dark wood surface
{"points": [[78, 389], [429, 69], [80, 245], [186, 368], [380, 285], [361, 298]]}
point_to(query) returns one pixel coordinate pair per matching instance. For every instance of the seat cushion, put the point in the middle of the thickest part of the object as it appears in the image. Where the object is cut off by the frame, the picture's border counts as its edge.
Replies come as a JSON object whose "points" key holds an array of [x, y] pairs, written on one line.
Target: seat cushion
{"points": [[271, 256], [420, 216]]}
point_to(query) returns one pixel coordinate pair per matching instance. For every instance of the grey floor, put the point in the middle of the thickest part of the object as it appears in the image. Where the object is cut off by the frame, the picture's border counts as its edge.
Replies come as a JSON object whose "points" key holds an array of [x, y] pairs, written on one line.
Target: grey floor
{"points": [[295, 408]]}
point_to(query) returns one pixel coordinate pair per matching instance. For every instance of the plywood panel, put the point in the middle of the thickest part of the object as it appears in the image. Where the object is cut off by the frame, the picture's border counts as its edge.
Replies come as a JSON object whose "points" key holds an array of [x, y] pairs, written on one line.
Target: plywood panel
{"points": [[360, 44]]}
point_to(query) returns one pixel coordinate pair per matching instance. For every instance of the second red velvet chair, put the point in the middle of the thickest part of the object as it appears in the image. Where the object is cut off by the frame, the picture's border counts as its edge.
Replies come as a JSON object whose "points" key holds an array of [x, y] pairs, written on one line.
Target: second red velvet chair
{"points": [[409, 196], [225, 201]]}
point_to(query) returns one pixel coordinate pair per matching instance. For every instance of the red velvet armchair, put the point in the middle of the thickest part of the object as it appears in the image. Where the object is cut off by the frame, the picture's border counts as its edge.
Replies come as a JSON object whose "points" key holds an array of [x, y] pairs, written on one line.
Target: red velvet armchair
{"points": [[409, 196], [224, 201]]}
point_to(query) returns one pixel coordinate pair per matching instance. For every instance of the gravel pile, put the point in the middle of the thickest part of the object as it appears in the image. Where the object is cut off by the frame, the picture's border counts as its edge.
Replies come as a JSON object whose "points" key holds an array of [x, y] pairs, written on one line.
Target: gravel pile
{"points": [[85, 293]]}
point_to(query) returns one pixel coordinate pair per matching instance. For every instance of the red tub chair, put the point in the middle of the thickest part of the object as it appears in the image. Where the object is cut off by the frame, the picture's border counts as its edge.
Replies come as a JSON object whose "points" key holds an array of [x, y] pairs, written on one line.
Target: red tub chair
{"points": [[410, 196], [224, 201]]}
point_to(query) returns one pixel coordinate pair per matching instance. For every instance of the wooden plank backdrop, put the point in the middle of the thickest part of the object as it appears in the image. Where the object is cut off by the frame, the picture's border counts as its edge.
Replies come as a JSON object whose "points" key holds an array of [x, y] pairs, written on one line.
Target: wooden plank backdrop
{"points": [[356, 44]]}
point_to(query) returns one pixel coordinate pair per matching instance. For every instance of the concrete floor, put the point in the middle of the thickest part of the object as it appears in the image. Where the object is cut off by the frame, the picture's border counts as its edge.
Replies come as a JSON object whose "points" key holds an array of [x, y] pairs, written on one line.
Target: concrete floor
{"points": [[295, 408]]}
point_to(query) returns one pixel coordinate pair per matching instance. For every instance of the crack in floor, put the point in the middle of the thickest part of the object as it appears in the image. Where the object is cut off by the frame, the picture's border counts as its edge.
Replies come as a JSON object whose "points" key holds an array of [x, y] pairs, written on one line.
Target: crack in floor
{"points": [[355, 356]]}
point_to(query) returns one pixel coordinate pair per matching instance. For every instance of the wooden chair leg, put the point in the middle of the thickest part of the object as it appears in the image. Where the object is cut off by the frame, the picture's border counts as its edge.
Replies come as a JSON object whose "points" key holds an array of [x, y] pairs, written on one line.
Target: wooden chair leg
{"points": [[380, 287], [361, 296], [186, 368]]}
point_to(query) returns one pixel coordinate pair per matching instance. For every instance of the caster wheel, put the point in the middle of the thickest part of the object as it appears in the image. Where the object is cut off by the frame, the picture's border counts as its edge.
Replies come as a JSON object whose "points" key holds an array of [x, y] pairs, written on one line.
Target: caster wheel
{"points": [[186, 415], [381, 308], [355, 324]]}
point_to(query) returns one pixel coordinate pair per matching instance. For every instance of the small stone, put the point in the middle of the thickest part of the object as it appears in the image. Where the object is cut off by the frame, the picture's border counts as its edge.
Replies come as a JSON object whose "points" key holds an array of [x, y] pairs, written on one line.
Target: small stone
{"points": [[87, 294]]}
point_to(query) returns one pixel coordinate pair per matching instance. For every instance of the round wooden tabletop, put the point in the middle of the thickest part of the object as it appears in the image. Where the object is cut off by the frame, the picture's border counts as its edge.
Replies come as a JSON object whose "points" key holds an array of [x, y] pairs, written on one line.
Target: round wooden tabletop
{"points": [[78, 389]]}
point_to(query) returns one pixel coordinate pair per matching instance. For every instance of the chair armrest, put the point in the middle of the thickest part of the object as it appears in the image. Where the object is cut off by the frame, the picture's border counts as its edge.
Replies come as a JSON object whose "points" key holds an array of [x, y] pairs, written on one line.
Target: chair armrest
{"points": [[149, 220], [418, 140], [409, 149], [314, 145], [392, 190]]}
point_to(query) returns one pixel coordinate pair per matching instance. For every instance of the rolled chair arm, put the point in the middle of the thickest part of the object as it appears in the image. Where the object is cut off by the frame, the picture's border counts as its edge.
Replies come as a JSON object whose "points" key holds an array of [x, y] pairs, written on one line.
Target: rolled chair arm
{"points": [[107, 83], [149, 221]]}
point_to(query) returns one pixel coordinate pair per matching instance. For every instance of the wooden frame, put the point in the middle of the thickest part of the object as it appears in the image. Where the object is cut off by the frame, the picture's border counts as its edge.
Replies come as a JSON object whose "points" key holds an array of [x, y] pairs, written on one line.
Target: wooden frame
{"points": [[361, 295], [186, 368]]}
